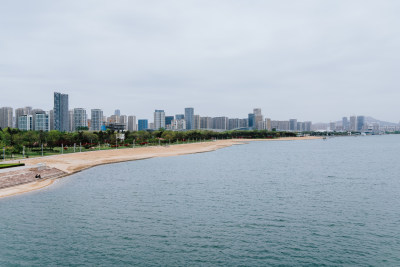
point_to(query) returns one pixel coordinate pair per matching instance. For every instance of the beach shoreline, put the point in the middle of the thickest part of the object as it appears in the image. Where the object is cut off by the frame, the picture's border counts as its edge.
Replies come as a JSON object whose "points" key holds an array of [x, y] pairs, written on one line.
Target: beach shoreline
{"points": [[76, 162]]}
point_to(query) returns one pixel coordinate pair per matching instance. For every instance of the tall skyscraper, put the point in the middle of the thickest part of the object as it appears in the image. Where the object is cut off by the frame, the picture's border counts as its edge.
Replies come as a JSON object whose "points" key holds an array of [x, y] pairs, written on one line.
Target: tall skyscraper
{"points": [[252, 120], [131, 123], [6, 117], [61, 116], [80, 118], [96, 117], [143, 125], [159, 119], [360, 123], [189, 117], [117, 112], [345, 124], [353, 123], [258, 119]]}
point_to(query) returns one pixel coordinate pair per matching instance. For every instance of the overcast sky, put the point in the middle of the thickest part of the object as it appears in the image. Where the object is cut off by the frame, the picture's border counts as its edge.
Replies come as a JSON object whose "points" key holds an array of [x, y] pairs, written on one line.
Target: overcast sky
{"points": [[310, 60]]}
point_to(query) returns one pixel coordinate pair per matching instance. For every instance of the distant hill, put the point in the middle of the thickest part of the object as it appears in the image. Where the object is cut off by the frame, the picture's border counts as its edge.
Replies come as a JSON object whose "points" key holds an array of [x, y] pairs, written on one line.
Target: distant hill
{"points": [[369, 120], [381, 123]]}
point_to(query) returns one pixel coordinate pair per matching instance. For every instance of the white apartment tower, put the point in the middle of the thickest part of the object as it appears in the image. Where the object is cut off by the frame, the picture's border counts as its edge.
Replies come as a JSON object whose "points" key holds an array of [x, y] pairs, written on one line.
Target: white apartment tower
{"points": [[159, 119], [96, 116], [132, 123], [80, 118]]}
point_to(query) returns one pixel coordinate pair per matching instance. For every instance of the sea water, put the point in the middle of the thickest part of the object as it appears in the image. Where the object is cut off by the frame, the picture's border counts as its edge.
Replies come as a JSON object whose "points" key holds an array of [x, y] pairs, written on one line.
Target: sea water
{"points": [[293, 203]]}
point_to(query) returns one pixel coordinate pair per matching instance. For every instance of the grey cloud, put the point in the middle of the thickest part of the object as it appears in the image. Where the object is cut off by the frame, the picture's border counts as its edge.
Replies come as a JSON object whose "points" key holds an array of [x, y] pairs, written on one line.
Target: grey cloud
{"points": [[290, 58]]}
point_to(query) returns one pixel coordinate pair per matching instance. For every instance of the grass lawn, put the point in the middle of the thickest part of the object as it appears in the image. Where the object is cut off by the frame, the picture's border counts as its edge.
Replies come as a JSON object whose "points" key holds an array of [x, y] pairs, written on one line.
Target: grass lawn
{"points": [[10, 165]]}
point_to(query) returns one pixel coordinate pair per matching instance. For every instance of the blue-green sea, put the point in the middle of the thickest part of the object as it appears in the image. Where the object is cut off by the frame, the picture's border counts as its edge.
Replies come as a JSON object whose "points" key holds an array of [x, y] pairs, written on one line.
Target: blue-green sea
{"points": [[284, 203]]}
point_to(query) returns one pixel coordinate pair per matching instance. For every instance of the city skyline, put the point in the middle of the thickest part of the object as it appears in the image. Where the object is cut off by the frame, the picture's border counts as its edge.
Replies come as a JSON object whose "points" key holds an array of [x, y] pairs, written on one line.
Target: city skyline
{"points": [[315, 61], [66, 118], [180, 111]]}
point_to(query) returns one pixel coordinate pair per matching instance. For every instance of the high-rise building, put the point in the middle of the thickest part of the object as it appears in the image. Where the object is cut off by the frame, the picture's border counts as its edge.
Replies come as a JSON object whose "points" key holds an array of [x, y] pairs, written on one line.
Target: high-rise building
{"points": [[300, 126], [80, 119], [293, 125], [123, 119], [353, 123], [189, 117], [71, 122], [307, 126], [280, 125], [25, 122], [360, 123], [159, 119], [51, 117], [61, 115], [196, 122], [96, 117], [168, 120], [21, 111], [345, 124], [143, 125], [243, 123], [117, 112], [268, 124], [233, 124], [34, 113], [220, 123], [42, 121], [6, 117], [205, 122], [252, 120], [131, 123], [332, 126], [258, 119]]}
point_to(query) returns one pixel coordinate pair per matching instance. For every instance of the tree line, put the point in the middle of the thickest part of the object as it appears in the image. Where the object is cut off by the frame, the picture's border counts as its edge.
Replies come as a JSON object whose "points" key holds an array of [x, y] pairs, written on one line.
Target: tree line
{"points": [[15, 139]]}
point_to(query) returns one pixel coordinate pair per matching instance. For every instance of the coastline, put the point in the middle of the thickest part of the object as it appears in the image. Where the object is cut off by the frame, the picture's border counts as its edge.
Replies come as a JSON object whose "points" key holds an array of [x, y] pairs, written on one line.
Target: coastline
{"points": [[76, 162]]}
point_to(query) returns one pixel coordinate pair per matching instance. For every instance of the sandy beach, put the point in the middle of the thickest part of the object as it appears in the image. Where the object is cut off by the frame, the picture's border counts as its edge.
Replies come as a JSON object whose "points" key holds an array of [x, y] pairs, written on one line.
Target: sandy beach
{"points": [[72, 163]]}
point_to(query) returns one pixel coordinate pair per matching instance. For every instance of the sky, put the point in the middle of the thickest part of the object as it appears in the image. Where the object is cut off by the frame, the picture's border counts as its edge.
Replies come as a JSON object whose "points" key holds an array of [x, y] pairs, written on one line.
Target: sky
{"points": [[311, 60]]}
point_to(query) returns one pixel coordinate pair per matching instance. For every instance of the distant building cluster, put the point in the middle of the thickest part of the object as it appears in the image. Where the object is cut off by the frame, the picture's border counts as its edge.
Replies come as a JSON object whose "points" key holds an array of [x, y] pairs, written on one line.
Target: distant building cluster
{"points": [[64, 119]]}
